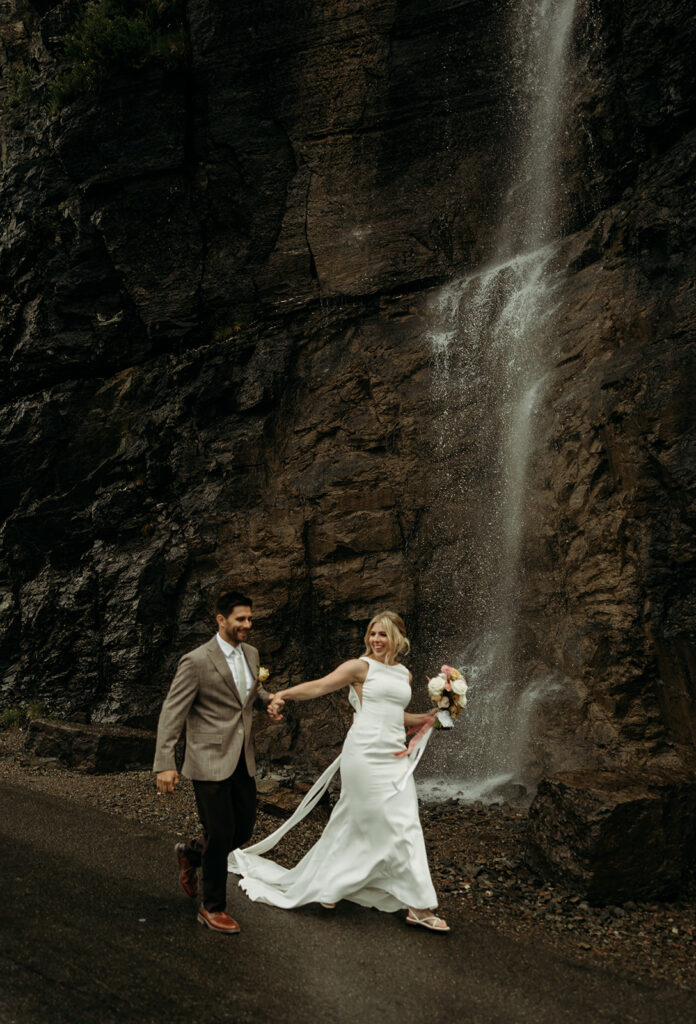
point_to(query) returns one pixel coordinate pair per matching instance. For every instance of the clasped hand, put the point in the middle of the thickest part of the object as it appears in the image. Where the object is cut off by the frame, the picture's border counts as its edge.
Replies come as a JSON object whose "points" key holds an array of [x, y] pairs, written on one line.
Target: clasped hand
{"points": [[274, 707]]}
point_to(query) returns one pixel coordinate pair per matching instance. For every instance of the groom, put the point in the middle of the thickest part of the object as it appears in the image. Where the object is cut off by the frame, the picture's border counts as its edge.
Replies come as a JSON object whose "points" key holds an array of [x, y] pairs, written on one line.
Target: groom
{"points": [[214, 691]]}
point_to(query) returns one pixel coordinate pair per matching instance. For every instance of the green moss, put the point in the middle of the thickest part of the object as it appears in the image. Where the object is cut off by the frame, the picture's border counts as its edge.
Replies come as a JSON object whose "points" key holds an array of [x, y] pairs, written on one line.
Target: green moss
{"points": [[18, 88], [112, 37], [36, 710], [223, 332], [15, 718], [12, 718]]}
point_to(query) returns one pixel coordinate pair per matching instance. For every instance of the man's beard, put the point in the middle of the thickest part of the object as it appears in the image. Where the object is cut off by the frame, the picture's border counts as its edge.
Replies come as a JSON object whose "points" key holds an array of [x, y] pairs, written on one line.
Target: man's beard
{"points": [[234, 636]]}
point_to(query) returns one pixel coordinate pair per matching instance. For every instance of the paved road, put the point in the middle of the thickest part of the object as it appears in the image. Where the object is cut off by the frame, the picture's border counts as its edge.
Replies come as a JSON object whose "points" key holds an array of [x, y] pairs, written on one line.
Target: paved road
{"points": [[95, 929]]}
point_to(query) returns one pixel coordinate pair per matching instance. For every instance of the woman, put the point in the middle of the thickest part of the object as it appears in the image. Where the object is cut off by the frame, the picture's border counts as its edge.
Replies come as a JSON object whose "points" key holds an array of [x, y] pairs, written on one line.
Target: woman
{"points": [[372, 850]]}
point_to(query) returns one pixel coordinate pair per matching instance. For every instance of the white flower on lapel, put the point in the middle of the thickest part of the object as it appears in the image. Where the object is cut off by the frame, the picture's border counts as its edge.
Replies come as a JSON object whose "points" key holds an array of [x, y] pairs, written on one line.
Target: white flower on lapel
{"points": [[262, 674]]}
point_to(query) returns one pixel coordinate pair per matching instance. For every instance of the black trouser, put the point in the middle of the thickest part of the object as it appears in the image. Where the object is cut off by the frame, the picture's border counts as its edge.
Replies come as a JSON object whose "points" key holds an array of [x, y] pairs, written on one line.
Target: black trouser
{"points": [[227, 811]]}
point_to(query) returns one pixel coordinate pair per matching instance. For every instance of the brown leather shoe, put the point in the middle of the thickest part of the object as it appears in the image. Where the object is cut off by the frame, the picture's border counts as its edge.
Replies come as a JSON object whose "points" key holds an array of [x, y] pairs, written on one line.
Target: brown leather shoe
{"points": [[189, 873], [218, 920]]}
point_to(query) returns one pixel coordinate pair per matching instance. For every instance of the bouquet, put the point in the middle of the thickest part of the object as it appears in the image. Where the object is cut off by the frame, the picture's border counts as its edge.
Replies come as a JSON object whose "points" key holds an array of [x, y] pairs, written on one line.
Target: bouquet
{"points": [[447, 691]]}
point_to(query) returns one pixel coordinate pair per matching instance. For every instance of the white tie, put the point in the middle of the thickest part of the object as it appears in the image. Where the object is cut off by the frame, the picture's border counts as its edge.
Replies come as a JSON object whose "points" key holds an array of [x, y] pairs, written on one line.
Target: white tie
{"points": [[238, 671]]}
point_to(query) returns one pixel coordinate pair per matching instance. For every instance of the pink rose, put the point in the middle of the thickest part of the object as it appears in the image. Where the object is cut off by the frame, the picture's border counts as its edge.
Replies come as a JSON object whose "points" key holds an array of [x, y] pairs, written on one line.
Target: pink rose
{"points": [[445, 702], [446, 670]]}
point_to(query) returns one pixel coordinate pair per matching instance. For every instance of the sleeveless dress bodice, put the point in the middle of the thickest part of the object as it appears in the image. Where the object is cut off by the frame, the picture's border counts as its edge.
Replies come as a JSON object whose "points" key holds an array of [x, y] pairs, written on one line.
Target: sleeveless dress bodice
{"points": [[378, 724], [372, 850]]}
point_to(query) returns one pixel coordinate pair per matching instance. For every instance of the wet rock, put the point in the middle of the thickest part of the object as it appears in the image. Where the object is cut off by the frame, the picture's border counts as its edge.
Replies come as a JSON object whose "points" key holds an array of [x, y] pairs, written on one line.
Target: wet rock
{"points": [[511, 793], [216, 362], [270, 783], [90, 748], [280, 802], [616, 836], [274, 742]]}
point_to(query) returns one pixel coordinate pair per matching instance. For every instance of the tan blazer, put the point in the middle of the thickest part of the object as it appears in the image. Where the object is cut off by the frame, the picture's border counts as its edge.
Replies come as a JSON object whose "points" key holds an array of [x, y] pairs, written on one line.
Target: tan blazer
{"points": [[218, 725]]}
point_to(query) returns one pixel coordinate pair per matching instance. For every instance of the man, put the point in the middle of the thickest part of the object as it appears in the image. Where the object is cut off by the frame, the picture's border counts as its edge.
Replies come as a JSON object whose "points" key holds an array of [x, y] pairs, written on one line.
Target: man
{"points": [[215, 689]]}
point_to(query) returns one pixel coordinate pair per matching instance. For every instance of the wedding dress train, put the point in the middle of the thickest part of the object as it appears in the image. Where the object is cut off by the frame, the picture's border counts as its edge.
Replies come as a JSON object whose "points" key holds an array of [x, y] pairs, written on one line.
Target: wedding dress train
{"points": [[372, 850]]}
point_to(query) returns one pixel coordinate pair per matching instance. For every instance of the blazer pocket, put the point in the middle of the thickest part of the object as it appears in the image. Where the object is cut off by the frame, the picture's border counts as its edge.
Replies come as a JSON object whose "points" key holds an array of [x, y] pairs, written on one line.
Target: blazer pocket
{"points": [[206, 737]]}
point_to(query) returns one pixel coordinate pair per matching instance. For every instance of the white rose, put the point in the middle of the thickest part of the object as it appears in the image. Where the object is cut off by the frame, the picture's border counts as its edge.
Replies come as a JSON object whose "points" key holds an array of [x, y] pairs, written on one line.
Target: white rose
{"points": [[436, 686], [459, 687]]}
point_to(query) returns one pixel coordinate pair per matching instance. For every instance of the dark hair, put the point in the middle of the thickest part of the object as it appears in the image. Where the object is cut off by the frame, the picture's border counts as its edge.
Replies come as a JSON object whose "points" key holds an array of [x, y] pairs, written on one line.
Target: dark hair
{"points": [[229, 600]]}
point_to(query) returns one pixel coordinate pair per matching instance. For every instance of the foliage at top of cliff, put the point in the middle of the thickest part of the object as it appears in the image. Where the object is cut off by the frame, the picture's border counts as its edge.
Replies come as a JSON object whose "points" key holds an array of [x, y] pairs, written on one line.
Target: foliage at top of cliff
{"points": [[115, 36], [107, 38]]}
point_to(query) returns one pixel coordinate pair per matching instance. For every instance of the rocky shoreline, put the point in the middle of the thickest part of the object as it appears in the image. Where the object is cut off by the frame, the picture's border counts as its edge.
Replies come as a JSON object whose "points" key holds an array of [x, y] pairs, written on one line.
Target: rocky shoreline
{"points": [[478, 860]]}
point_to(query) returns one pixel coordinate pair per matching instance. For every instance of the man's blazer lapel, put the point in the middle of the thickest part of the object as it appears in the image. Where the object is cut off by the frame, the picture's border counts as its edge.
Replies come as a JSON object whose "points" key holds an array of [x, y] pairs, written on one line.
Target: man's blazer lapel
{"points": [[219, 661]]}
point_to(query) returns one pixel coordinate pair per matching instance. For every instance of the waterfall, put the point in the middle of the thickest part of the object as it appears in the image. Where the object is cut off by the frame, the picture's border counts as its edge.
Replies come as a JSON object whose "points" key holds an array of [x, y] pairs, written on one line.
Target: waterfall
{"points": [[492, 337], [531, 213]]}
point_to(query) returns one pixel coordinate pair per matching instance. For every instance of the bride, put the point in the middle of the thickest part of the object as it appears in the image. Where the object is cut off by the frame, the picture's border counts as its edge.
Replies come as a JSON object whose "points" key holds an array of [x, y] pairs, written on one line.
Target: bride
{"points": [[371, 851]]}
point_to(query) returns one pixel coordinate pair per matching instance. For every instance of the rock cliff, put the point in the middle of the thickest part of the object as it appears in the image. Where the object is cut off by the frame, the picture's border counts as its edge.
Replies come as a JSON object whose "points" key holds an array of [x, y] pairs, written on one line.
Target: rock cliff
{"points": [[216, 367]]}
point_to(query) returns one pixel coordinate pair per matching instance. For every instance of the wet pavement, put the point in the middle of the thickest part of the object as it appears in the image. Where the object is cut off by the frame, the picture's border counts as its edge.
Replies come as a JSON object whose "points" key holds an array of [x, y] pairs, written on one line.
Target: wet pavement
{"points": [[95, 929]]}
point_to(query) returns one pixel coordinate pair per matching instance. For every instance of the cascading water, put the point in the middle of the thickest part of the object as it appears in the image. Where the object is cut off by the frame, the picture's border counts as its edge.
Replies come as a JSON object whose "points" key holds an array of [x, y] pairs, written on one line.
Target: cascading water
{"points": [[492, 340]]}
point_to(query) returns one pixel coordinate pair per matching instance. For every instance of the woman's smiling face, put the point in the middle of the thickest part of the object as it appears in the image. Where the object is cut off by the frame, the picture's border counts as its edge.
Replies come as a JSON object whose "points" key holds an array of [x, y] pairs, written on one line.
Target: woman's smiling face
{"points": [[378, 641]]}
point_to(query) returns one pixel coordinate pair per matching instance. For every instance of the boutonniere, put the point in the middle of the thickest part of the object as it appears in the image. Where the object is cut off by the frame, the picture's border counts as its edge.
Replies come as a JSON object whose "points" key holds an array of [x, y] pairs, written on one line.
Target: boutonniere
{"points": [[262, 674]]}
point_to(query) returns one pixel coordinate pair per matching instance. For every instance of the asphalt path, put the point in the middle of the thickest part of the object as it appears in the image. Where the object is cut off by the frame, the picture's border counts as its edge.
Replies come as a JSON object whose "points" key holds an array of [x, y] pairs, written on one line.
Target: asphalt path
{"points": [[95, 928]]}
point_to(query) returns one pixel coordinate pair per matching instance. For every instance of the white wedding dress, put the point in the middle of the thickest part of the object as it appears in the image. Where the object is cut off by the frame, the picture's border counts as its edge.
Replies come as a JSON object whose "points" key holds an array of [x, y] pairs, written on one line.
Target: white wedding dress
{"points": [[372, 850]]}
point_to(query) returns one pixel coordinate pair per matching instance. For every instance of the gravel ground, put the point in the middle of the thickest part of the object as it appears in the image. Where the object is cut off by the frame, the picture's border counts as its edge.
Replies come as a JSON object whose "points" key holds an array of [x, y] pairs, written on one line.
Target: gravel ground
{"points": [[476, 860]]}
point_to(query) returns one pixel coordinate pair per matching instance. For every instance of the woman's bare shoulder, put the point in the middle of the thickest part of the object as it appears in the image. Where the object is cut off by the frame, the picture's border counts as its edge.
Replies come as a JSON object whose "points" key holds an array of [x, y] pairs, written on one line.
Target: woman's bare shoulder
{"points": [[356, 667]]}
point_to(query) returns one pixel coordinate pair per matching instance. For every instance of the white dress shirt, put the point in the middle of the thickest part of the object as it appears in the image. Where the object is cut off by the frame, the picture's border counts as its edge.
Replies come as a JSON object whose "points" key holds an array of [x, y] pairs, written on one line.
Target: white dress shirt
{"points": [[238, 665]]}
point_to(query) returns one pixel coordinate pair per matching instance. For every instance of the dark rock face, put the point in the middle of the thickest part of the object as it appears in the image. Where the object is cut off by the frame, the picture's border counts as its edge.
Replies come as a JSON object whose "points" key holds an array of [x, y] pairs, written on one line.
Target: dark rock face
{"points": [[618, 566], [203, 383], [614, 835], [91, 748], [214, 348]]}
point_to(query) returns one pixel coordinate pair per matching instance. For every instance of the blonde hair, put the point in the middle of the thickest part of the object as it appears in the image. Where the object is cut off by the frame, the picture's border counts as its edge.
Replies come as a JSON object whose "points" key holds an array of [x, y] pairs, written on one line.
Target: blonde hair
{"points": [[395, 629]]}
